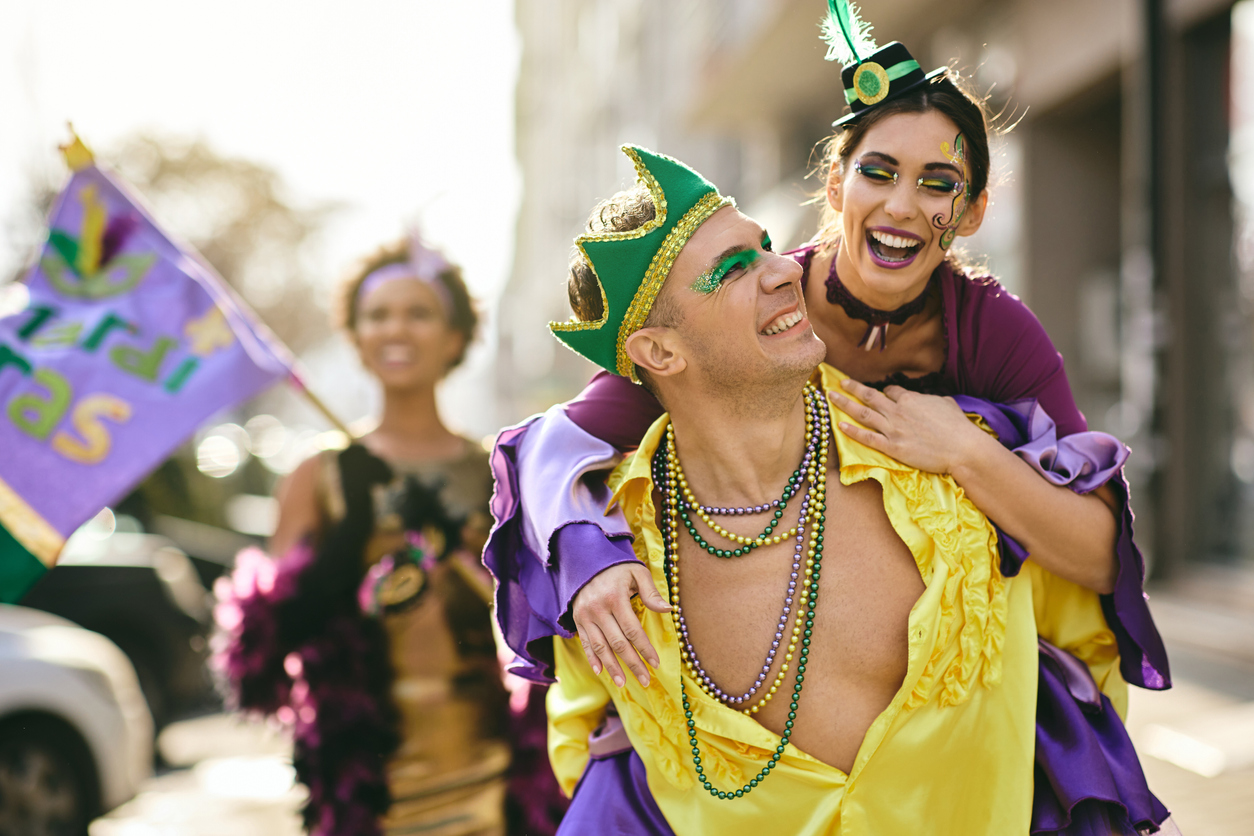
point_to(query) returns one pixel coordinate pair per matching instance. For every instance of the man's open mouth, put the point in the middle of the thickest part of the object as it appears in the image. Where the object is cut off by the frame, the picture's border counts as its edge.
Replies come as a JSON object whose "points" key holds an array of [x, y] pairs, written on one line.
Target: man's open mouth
{"points": [[893, 249], [782, 323]]}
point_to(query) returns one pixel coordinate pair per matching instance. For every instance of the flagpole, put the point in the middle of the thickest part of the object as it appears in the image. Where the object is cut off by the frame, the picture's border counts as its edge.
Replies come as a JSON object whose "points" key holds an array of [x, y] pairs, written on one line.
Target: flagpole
{"points": [[317, 403]]}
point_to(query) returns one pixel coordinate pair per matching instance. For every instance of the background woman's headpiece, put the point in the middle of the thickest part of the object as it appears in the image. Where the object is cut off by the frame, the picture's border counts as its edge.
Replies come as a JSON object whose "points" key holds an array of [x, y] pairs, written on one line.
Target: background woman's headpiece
{"points": [[872, 74], [424, 264]]}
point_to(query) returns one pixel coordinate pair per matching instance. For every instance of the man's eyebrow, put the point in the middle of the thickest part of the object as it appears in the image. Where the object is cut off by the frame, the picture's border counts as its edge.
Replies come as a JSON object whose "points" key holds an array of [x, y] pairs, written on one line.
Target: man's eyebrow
{"points": [[728, 253]]}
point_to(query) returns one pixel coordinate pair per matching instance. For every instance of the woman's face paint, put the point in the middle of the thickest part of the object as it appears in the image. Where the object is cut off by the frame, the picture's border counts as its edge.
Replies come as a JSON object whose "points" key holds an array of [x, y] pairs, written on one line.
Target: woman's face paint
{"points": [[961, 191], [730, 267]]}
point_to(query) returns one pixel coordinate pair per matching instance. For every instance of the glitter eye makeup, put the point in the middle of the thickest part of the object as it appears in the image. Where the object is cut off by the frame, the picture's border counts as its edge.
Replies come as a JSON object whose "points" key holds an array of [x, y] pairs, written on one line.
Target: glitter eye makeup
{"points": [[712, 280], [875, 173], [940, 185]]}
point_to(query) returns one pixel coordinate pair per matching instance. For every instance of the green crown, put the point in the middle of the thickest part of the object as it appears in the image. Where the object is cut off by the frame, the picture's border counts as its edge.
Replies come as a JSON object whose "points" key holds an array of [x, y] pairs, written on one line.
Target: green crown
{"points": [[632, 266]]}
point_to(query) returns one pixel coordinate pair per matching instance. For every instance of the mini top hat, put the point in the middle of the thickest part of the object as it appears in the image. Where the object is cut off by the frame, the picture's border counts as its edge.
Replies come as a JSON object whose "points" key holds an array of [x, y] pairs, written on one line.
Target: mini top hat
{"points": [[872, 74], [632, 266]]}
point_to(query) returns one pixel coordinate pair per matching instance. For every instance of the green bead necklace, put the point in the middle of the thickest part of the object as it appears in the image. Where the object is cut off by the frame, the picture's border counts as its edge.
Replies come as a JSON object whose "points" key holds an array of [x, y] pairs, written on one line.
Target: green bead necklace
{"points": [[809, 602]]}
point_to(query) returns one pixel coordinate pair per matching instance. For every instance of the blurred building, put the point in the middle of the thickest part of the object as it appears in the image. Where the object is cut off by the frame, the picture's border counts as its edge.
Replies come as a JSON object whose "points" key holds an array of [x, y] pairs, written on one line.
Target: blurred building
{"points": [[1120, 199], [594, 75]]}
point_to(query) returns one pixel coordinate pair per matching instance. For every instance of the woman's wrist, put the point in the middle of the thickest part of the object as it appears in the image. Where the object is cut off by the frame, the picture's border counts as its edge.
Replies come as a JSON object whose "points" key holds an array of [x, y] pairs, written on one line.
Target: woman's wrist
{"points": [[974, 452]]}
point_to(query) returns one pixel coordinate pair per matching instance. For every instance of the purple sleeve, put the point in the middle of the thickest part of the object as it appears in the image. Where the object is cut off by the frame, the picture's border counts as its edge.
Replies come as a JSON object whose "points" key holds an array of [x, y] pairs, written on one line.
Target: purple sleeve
{"points": [[615, 410], [1084, 462], [1006, 356], [551, 534]]}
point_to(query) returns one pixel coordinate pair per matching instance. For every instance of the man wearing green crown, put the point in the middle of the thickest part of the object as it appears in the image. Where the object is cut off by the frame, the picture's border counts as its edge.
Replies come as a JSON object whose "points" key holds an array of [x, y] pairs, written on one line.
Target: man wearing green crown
{"points": [[841, 653]]}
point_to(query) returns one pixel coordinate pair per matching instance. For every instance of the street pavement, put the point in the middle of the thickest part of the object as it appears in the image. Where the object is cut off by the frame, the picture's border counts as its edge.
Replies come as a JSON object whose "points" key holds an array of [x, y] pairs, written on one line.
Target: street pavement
{"points": [[227, 777], [231, 777]]}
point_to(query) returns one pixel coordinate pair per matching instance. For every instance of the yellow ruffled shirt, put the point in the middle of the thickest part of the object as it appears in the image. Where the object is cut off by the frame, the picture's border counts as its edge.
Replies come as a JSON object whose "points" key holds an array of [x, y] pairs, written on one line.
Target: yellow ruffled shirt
{"points": [[951, 754]]}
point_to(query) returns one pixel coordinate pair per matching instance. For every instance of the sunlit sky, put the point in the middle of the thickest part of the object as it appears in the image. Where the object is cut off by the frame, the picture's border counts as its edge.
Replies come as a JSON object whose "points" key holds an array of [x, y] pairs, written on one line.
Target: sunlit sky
{"points": [[400, 110]]}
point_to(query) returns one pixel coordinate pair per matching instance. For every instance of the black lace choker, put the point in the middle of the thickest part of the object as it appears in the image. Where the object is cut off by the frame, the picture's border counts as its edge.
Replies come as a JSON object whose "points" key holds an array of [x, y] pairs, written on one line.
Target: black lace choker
{"points": [[876, 319]]}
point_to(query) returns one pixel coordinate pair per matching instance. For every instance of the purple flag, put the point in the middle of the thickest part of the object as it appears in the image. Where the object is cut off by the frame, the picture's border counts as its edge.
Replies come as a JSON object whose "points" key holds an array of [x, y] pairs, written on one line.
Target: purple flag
{"points": [[129, 341]]}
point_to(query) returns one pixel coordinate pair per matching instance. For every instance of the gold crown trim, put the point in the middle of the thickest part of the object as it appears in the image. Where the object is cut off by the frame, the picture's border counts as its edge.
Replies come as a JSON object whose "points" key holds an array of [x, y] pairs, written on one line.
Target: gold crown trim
{"points": [[659, 269], [659, 218]]}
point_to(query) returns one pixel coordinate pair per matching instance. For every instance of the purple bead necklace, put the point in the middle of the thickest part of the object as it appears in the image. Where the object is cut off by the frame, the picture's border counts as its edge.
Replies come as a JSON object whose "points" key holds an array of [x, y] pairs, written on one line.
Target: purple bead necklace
{"points": [[813, 466]]}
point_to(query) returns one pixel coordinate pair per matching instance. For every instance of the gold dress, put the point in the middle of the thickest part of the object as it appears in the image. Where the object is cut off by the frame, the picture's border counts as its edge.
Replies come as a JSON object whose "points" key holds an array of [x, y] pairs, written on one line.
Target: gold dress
{"points": [[447, 778]]}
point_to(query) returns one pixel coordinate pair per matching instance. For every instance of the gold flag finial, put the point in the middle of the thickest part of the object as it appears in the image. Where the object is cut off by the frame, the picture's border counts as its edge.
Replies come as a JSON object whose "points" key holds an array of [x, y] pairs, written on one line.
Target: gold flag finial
{"points": [[77, 155]]}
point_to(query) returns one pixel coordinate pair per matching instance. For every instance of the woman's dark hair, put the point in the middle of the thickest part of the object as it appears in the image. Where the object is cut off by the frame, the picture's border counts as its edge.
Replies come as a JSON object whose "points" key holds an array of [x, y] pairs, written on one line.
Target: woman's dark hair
{"points": [[948, 94], [462, 318]]}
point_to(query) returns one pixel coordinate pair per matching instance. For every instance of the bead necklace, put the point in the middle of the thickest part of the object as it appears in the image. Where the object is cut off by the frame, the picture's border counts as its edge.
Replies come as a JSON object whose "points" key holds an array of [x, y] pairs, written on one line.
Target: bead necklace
{"points": [[689, 653], [743, 545], [809, 601]]}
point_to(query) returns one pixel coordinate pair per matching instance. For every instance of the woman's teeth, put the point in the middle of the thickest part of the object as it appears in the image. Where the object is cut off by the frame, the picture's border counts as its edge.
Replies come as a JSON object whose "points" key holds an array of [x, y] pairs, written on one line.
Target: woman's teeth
{"points": [[783, 323], [396, 354], [892, 247]]}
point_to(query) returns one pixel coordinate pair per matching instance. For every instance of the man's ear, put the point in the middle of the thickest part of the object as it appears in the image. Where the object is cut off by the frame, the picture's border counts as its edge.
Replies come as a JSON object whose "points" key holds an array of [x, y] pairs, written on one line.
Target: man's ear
{"points": [[974, 215], [655, 350], [834, 182]]}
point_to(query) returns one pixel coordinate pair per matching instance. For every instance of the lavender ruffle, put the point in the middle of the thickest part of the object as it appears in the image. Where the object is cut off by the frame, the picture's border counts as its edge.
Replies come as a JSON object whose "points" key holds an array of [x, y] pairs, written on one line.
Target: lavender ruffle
{"points": [[1084, 462], [543, 552]]}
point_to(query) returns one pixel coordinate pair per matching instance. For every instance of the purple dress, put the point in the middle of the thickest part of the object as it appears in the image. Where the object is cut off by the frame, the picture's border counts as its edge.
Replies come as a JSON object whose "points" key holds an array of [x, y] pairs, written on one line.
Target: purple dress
{"points": [[552, 536]]}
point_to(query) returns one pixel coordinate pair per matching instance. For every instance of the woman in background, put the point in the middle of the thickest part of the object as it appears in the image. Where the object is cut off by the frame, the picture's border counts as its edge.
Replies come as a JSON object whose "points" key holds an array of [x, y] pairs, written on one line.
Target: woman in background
{"points": [[371, 634]]}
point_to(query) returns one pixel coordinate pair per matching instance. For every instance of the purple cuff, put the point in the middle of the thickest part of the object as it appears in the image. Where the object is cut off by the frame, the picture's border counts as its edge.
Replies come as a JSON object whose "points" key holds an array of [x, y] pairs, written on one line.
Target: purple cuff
{"points": [[1088, 779], [1084, 462], [543, 552]]}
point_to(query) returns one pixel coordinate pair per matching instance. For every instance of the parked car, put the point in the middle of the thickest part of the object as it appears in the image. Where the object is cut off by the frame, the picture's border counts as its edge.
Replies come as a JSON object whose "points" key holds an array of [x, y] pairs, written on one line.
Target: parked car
{"points": [[144, 594], [76, 738]]}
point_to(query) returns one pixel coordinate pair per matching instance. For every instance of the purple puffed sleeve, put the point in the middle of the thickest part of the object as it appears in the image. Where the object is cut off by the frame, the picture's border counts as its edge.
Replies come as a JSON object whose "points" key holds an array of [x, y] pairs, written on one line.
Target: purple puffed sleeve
{"points": [[551, 533], [1084, 462], [1005, 354]]}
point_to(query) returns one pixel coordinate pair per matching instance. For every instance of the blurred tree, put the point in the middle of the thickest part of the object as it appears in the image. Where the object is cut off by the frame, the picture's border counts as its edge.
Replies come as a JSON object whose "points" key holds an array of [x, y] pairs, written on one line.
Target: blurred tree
{"points": [[234, 211], [237, 214]]}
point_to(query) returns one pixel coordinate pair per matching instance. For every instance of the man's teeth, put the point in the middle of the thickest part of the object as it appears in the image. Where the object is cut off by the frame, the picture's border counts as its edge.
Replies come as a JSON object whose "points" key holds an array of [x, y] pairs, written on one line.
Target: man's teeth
{"points": [[894, 240], [783, 323]]}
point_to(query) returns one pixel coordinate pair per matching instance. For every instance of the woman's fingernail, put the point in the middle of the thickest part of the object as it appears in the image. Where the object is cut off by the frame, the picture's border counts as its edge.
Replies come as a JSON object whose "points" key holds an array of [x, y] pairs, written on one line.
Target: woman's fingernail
{"points": [[619, 681], [644, 679]]}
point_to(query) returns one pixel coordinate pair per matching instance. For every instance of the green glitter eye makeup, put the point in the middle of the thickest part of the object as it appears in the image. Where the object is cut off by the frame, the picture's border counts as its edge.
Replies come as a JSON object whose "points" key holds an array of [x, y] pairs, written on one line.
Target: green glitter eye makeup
{"points": [[711, 280]]}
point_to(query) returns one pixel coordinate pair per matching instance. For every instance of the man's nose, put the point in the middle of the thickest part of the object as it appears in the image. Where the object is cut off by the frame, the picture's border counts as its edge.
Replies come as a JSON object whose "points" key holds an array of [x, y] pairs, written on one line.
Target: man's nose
{"points": [[782, 272]]}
